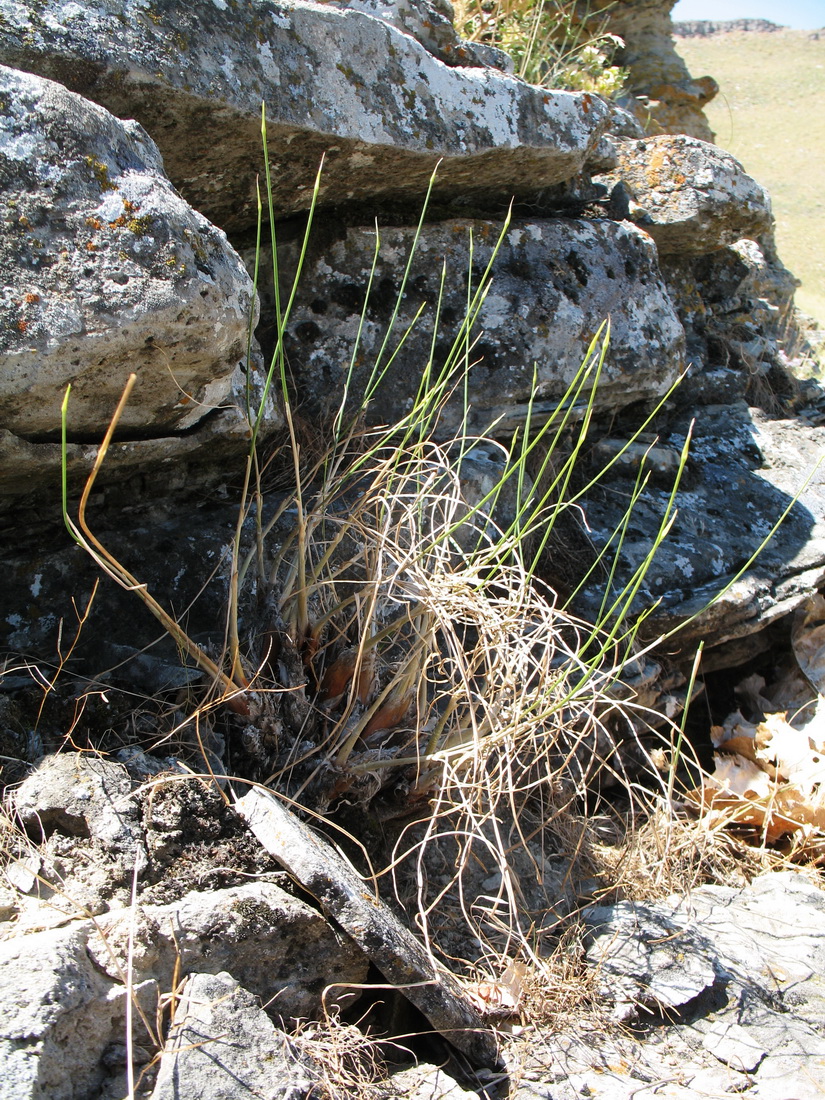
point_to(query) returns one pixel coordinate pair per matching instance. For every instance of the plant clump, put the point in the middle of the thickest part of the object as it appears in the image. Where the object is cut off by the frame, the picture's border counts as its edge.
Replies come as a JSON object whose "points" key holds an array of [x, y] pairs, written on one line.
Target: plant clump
{"points": [[554, 43]]}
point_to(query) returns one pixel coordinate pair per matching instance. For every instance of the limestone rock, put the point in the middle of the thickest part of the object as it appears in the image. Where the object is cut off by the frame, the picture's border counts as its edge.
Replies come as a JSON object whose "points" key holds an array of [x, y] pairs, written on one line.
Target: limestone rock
{"points": [[742, 958], [743, 471], [58, 1016], [663, 94], [223, 1046], [554, 283], [690, 196], [107, 272], [281, 950], [337, 82], [431, 24]]}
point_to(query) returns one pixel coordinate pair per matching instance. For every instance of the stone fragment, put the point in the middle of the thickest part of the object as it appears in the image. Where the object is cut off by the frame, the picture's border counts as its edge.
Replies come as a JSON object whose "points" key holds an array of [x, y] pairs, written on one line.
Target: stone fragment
{"points": [[690, 196], [280, 948], [223, 1046], [336, 82], [58, 1015], [107, 272], [427, 1082], [346, 898], [734, 1045], [553, 284]]}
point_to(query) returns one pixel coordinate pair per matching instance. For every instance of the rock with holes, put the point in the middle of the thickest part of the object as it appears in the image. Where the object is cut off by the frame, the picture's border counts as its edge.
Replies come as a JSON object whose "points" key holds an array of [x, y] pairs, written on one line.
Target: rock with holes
{"points": [[280, 948], [107, 272], [554, 282], [336, 81], [689, 195]]}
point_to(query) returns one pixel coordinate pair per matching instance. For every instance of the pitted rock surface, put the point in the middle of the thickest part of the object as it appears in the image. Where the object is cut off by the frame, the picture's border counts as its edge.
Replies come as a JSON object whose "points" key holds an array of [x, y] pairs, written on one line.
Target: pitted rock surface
{"points": [[690, 196], [107, 272], [554, 283], [336, 82]]}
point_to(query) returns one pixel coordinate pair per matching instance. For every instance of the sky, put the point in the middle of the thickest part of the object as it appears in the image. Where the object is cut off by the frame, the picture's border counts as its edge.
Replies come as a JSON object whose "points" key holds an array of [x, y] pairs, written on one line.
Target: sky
{"points": [[807, 14]]}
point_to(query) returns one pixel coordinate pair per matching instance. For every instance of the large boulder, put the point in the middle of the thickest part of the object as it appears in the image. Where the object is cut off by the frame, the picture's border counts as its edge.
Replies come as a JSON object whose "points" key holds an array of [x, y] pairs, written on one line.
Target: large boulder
{"points": [[554, 283], [107, 272], [336, 82]]}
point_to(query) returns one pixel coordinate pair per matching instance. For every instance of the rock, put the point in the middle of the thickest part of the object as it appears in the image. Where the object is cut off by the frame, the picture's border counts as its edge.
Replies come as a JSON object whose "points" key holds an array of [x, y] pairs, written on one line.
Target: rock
{"points": [[58, 1016], [554, 283], [88, 799], [690, 196], [663, 95], [281, 950], [740, 959], [344, 896], [107, 272], [223, 1046], [744, 469], [427, 1082], [337, 82], [432, 26]]}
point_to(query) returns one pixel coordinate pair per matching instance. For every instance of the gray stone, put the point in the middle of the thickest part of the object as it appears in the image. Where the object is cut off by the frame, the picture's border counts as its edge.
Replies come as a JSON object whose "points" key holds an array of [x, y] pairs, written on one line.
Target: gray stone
{"points": [[734, 1045], [427, 1082], [554, 283], [223, 1046], [336, 82], [107, 272], [689, 195], [744, 469], [282, 950], [58, 1015], [344, 896]]}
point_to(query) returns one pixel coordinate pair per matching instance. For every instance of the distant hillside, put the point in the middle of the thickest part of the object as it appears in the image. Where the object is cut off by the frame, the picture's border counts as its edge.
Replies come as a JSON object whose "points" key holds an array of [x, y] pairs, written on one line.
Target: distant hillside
{"points": [[702, 28], [769, 115]]}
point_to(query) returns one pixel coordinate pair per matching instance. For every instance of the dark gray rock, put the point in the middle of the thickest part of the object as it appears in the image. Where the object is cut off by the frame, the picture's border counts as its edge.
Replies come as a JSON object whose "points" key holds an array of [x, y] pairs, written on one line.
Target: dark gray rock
{"points": [[336, 82], [554, 283]]}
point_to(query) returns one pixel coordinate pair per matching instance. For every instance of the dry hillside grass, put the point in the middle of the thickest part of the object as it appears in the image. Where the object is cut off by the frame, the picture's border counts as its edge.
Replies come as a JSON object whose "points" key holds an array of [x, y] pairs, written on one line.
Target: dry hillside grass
{"points": [[770, 113]]}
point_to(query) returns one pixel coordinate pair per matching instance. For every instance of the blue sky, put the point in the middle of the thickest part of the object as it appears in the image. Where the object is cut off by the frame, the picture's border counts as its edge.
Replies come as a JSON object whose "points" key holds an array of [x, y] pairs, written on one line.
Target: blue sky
{"points": [[790, 13]]}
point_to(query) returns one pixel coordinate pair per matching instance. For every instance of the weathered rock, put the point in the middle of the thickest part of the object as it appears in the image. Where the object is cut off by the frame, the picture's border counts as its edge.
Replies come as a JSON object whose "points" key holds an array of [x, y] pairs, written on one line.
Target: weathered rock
{"points": [[58, 1016], [690, 196], [554, 283], [741, 958], [744, 469], [223, 1046], [431, 24], [85, 798], [107, 272], [337, 82], [662, 93], [344, 896], [281, 950], [427, 1082]]}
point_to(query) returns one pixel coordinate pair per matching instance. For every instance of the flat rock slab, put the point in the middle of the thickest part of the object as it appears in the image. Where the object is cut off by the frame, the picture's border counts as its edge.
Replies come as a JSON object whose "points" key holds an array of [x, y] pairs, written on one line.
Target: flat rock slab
{"points": [[689, 195], [223, 1046], [107, 271], [760, 952], [345, 897], [554, 281], [336, 82]]}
